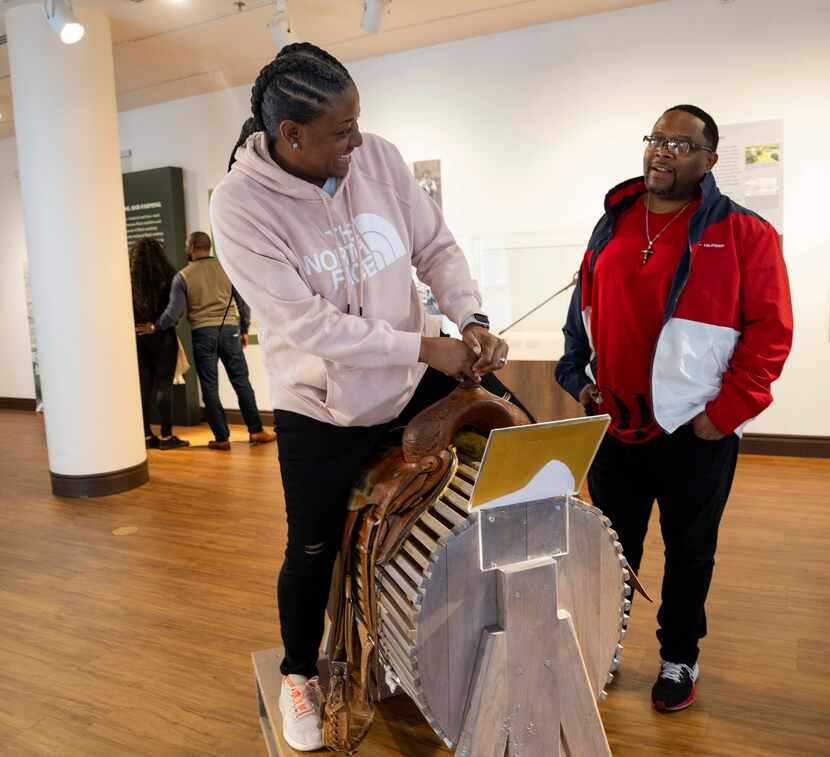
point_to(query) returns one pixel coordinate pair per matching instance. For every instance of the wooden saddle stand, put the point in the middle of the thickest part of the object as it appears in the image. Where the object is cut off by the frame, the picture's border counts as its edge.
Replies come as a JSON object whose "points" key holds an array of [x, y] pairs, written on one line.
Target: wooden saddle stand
{"points": [[501, 657]]}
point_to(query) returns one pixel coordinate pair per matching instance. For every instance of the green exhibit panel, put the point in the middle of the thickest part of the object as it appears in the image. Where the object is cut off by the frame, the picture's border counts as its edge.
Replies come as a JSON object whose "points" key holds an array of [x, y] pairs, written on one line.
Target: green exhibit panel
{"points": [[154, 207]]}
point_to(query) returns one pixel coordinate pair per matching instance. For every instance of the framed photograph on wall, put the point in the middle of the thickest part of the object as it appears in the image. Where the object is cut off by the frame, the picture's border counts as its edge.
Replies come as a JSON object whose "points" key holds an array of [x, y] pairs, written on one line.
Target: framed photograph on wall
{"points": [[428, 175]]}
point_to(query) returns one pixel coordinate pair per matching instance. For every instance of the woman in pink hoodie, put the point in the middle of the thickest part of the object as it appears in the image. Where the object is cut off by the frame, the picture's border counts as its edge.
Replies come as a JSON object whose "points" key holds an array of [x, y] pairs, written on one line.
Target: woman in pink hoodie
{"points": [[319, 226]]}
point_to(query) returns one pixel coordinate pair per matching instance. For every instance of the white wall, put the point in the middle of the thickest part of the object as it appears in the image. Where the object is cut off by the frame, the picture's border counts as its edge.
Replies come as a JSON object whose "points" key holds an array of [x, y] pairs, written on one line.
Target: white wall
{"points": [[16, 377], [533, 126]]}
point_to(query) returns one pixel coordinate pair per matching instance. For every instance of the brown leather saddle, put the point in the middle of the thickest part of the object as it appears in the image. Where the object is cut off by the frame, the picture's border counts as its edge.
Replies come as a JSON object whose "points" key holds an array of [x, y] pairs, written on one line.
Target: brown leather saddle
{"points": [[391, 495]]}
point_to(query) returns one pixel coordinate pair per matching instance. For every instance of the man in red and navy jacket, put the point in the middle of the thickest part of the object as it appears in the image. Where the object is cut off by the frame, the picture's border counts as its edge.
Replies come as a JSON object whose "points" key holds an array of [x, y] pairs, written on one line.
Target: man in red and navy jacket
{"points": [[680, 322]]}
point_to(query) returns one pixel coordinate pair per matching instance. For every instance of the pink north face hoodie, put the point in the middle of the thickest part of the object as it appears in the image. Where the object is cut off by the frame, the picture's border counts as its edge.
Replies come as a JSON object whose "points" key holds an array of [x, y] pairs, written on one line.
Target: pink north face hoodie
{"points": [[329, 279]]}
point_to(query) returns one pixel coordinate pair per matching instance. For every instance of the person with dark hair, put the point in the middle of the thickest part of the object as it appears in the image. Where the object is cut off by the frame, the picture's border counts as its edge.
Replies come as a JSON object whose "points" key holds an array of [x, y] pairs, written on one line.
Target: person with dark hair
{"points": [[151, 275], [682, 316], [219, 319], [319, 226]]}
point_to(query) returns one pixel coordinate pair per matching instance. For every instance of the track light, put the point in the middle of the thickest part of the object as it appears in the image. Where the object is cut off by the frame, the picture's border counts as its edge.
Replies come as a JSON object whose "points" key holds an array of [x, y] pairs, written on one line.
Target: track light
{"points": [[59, 14], [373, 11], [280, 26]]}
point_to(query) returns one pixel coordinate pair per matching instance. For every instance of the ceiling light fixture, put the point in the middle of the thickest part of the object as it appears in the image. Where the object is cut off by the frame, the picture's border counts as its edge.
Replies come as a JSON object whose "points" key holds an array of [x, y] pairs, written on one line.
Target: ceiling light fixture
{"points": [[373, 11], [59, 14], [280, 26]]}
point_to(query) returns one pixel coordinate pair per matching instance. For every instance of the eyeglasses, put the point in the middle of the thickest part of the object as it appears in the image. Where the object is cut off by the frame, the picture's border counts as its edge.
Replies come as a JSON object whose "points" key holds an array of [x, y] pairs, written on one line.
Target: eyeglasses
{"points": [[674, 146]]}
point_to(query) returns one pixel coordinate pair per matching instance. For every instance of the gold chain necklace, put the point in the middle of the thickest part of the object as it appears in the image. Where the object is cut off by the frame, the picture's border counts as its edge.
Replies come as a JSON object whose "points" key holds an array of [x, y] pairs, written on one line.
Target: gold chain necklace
{"points": [[649, 251]]}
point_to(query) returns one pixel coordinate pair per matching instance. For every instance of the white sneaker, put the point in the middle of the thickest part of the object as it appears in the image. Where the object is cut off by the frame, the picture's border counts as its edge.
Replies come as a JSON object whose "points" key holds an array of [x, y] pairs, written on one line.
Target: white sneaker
{"points": [[300, 708]]}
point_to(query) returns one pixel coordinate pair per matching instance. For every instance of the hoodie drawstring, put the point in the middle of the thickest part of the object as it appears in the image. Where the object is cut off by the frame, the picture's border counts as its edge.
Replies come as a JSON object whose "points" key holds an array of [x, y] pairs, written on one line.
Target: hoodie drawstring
{"points": [[345, 264], [366, 246]]}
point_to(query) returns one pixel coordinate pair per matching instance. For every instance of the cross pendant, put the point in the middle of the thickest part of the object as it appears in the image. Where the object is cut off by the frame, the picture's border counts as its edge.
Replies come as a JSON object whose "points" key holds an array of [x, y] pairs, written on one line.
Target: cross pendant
{"points": [[647, 253]]}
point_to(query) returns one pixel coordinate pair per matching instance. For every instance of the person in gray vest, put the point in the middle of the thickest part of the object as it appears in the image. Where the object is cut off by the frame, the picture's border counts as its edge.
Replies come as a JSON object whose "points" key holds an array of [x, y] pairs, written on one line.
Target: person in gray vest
{"points": [[219, 319]]}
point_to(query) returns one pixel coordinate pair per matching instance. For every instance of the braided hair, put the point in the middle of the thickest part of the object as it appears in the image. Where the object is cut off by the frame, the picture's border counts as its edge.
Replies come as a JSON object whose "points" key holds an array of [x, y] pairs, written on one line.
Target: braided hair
{"points": [[296, 86], [151, 276]]}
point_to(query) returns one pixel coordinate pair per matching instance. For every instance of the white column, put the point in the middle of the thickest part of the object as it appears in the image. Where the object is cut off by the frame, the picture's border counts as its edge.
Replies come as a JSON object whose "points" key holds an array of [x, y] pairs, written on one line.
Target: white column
{"points": [[70, 174]]}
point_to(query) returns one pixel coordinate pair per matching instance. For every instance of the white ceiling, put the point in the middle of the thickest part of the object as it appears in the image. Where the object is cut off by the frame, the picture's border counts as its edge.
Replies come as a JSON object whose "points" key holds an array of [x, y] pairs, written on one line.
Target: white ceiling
{"points": [[169, 49]]}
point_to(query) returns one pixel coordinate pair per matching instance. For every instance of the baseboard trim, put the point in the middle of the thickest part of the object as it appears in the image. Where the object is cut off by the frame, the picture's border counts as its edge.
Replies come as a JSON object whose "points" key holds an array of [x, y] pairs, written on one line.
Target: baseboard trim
{"points": [[100, 484], [785, 445], [235, 418], [17, 403], [782, 445]]}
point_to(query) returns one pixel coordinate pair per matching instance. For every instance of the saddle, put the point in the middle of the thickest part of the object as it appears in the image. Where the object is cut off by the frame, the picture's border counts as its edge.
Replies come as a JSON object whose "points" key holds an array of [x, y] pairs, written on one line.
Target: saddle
{"points": [[407, 476]]}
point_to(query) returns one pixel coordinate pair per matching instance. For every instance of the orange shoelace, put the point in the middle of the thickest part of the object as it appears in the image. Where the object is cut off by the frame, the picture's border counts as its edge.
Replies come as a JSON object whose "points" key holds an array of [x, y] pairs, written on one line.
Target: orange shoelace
{"points": [[301, 697]]}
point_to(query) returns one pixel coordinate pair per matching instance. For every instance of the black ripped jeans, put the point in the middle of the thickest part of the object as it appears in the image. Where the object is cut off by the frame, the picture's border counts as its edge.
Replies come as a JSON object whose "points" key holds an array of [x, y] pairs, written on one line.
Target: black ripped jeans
{"points": [[319, 463]]}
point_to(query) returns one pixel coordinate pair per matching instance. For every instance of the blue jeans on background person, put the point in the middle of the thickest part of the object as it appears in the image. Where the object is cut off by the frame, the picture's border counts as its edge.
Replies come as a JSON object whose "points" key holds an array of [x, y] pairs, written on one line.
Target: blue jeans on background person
{"points": [[209, 347]]}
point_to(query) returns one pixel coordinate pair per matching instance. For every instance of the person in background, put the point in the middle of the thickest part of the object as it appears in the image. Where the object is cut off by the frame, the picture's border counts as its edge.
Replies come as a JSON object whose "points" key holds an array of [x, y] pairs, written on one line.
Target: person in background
{"points": [[151, 275], [219, 319], [682, 313]]}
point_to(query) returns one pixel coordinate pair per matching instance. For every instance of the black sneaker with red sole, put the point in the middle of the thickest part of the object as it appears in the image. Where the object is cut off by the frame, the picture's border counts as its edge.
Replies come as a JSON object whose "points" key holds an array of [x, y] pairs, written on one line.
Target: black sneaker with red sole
{"points": [[675, 686]]}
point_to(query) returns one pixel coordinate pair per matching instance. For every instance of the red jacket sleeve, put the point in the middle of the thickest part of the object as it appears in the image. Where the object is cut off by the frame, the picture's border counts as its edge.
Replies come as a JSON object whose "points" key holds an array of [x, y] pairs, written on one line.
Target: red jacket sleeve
{"points": [[766, 329]]}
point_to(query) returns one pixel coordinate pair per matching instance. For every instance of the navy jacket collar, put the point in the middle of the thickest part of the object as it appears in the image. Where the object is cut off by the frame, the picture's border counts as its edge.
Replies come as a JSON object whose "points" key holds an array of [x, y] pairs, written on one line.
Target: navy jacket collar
{"points": [[621, 196]]}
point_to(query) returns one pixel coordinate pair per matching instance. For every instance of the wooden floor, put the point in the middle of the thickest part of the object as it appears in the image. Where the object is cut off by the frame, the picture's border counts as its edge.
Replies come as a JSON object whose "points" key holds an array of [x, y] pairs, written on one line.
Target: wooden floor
{"points": [[139, 644]]}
